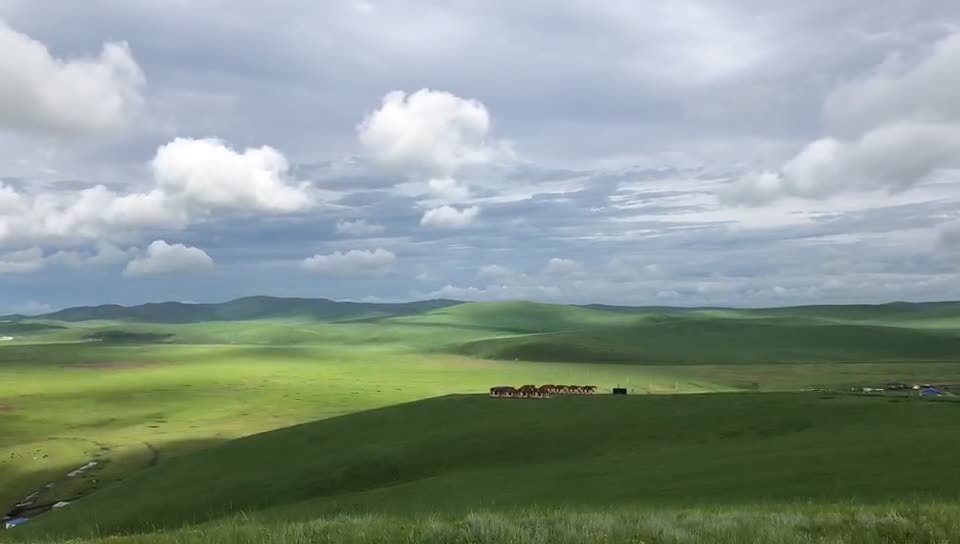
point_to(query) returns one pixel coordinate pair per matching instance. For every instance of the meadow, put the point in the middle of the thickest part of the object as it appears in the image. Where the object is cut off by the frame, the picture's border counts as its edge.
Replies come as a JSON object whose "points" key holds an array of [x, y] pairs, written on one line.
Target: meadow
{"points": [[269, 418]]}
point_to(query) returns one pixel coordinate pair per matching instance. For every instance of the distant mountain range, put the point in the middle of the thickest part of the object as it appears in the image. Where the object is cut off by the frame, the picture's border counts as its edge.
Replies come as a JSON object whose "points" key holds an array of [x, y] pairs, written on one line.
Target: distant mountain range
{"points": [[242, 309], [325, 310]]}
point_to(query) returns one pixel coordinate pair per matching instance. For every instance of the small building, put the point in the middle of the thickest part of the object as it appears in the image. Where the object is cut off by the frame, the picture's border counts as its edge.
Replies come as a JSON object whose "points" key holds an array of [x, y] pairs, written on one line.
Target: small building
{"points": [[532, 392], [619, 390], [503, 391]]}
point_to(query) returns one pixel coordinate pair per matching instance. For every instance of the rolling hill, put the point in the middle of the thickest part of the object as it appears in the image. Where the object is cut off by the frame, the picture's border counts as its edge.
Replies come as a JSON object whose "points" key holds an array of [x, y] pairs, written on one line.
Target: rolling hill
{"points": [[695, 338], [519, 317], [530, 331], [455, 454], [169, 397], [244, 309]]}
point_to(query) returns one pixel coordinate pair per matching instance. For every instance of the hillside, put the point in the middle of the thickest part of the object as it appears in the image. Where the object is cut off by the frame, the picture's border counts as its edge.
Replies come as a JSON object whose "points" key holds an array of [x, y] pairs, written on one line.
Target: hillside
{"points": [[697, 338], [453, 454], [519, 317], [527, 331], [243, 309], [509, 316], [555, 333]]}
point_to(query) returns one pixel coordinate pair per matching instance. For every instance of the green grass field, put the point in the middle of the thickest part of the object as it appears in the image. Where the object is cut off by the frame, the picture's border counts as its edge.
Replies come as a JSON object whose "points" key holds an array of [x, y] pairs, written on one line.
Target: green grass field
{"points": [[162, 397]]}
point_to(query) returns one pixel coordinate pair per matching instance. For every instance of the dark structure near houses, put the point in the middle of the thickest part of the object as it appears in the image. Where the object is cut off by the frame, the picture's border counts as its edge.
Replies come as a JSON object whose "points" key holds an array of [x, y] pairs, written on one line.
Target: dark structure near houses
{"points": [[542, 392], [619, 390]]}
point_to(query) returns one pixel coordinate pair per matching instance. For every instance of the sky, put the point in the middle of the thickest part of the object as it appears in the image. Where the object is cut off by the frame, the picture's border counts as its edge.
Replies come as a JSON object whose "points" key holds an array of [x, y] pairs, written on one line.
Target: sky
{"points": [[685, 153]]}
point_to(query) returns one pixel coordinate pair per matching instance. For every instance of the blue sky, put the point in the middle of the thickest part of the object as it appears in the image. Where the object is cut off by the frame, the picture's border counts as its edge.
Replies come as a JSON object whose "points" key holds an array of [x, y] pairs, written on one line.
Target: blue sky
{"points": [[693, 152]]}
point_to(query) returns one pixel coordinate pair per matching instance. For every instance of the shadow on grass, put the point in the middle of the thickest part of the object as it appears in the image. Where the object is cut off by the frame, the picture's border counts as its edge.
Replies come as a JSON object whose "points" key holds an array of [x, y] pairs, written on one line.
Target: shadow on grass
{"points": [[71, 484]]}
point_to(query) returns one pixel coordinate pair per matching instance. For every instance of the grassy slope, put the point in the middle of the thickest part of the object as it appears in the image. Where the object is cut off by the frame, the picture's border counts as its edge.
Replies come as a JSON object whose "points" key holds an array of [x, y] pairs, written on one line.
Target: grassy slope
{"points": [[884, 333], [697, 339], [58, 400], [799, 524], [213, 381], [184, 396], [519, 317], [454, 454]]}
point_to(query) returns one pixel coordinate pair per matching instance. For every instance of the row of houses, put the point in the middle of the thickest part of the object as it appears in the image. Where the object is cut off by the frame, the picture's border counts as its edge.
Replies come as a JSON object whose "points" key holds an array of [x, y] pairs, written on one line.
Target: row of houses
{"points": [[544, 391]]}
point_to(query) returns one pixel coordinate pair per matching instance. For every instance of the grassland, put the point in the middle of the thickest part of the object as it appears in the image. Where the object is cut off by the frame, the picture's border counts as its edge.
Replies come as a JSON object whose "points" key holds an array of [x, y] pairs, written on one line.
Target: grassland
{"points": [[142, 390], [821, 524], [455, 455]]}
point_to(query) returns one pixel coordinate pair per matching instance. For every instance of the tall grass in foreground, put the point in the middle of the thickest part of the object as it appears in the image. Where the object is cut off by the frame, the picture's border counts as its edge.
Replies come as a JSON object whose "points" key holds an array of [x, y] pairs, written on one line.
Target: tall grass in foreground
{"points": [[844, 525]]}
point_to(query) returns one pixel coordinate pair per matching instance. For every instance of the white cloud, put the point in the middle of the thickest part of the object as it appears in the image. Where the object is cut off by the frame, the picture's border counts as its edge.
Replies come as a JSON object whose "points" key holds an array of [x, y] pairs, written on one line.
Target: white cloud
{"points": [[667, 294], [359, 227], [162, 258], [562, 267], [448, 189], [499, 292], [892, 157], [493, 272], [42, 93], [431, 132], [682, 43], [355, 262], [94, 213], [898, 126], [449, 217], [924, 92], [193, 179], [432, 135], [209, 173]]}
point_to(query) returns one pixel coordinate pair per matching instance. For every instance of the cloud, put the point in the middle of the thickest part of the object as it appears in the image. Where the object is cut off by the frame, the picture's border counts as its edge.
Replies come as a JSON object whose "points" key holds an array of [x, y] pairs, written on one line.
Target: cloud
{"points": [[34, 259], [432, 136], [448, 190], [429, 132], [209, 173], [892, 157], [499, 292], [670, 101], [162, 258], [22, 262], [355, 262], [906, 127], [424, 274], [105, 254], [716, 42], [493, 272], [449, 217], [562, 267], [924, 92], [359, 227], [948, 237], [44, 94], [193, 180], [93, 213]]}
